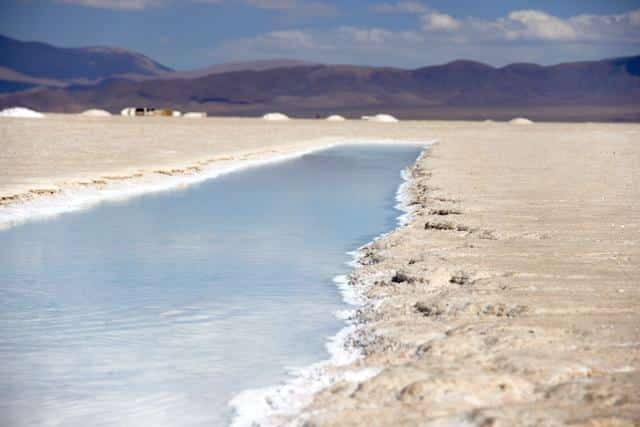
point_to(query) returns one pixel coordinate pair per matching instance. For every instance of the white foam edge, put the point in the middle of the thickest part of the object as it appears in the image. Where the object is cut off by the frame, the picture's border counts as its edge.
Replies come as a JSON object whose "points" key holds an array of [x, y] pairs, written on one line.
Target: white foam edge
{"points": [[76, 198], [279, 404]]}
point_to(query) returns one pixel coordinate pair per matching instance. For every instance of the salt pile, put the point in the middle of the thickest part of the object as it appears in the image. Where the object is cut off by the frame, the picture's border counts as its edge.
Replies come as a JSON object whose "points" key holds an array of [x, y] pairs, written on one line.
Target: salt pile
{"points": [[95, 113], [21, 112], [520, 121], [381, 118], [194, 115], [275, 117], [336, 118]]}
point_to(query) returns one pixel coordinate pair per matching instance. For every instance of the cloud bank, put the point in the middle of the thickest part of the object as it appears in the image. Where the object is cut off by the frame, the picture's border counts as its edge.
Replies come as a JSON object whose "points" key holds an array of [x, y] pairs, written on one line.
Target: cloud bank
{"points": [[409, 33], [521, 35]]}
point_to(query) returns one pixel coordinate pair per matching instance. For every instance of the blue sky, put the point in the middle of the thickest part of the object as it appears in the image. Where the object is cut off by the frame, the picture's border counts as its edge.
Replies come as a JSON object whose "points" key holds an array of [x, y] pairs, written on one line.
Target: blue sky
{"points": [[186, 34]]}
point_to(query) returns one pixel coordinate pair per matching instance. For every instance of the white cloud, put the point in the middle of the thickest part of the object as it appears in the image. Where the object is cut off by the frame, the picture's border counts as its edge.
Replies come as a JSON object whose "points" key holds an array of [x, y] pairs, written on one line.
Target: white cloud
{"points": [[435, 21], [312, 8], [523, 25], [274, 4], [345, 44], [366, 35], [281, 41], [534, 24], [414, 7], [623, 27], [520, 36], [300, 42]]}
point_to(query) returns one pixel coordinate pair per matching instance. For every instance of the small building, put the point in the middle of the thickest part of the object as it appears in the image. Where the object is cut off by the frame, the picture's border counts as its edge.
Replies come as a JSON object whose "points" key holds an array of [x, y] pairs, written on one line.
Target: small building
{"points": [[149, 112], [144, 111]]}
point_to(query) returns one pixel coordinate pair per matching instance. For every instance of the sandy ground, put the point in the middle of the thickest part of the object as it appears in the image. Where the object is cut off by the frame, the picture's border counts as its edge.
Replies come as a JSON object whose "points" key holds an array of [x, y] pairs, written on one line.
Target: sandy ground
{"points": [[511, 298], [38, 155]]}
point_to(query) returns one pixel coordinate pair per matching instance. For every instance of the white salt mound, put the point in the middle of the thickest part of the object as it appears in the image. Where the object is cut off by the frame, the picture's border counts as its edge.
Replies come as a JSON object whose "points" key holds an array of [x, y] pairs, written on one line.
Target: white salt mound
{"points": [[336, 118], [275, 117], [520, 121], [95, 113], [129, 111], [381, 118], [21, 112], [194, 115]]}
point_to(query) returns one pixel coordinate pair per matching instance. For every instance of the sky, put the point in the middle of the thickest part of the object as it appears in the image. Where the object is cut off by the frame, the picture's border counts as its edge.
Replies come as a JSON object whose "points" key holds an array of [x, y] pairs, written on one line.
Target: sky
{"points": [[189, 34]]}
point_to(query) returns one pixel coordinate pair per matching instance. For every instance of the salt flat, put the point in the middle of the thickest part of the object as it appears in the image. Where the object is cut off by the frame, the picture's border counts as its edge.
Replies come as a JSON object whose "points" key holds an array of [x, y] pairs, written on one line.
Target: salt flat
{"points": [[517, 301], [63, 150], [512, 297]]}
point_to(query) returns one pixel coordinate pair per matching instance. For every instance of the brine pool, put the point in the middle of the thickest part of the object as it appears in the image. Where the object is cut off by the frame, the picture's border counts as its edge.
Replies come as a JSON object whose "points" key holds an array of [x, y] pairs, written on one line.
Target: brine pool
{"points": [[159, 309]]}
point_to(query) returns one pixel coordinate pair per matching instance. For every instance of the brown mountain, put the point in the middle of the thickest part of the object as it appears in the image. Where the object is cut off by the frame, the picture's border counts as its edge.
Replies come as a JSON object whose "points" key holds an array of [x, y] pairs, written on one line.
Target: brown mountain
{"points": [[597, 90], [86, 64], [27, 65], [259, 65]]}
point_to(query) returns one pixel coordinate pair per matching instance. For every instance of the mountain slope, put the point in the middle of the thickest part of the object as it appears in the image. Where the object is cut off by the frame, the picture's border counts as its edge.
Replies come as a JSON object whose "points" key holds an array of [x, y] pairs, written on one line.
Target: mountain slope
{"points": [[42, 60], [260, 65], [597, 90]]}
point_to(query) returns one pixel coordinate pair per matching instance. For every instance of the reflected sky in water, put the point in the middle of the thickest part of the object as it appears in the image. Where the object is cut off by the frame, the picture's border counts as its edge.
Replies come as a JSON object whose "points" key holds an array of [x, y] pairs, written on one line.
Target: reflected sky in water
{"points": [[157, 310]]}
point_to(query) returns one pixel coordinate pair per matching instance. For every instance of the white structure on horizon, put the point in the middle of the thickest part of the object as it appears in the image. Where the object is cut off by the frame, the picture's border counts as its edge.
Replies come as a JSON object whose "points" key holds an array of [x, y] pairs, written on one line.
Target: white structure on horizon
{"points": [[275, 117], [520, 121], [336, 118], [21, 112], [194, 115], [381, 118], [94, 112]]}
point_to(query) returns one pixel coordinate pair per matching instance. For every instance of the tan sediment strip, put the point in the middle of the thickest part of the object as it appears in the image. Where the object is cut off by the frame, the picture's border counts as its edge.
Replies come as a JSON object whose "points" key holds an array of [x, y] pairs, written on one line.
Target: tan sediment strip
{"points": [[513, 296], [45, 157]]}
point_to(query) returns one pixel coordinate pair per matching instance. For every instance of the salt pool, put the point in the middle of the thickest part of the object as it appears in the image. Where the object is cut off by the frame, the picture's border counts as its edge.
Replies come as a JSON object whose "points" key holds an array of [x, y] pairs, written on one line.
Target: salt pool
{"points": [[159, 309]]}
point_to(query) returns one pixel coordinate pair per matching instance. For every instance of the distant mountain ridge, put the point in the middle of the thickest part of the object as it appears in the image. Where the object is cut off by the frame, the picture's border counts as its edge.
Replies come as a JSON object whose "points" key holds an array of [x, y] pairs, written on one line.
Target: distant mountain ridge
{"points": [[259, 65], [32, 64], [42, 60], [589, 90]]}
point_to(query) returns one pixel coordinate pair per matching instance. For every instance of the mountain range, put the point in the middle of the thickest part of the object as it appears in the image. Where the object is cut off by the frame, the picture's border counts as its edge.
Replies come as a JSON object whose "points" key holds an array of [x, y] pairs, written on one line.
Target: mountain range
{"points": [[35, 60], [110, 78]]}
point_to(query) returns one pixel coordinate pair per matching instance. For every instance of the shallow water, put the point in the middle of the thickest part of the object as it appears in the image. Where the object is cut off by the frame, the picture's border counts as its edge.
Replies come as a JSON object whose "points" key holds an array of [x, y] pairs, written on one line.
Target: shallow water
{"points": [[158, 310]]}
